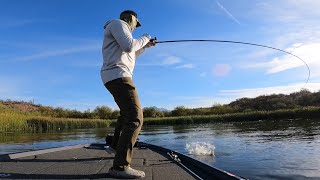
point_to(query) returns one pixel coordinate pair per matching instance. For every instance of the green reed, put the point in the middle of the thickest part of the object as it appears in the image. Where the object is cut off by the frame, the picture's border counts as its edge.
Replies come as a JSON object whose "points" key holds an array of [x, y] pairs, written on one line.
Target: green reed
{"points": [[11, 121], [45, 124], [307, 113]]}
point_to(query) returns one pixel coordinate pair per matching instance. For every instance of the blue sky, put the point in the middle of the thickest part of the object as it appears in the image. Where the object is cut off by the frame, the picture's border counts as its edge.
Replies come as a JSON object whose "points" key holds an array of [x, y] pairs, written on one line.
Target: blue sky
{"points": [[51, 50]]}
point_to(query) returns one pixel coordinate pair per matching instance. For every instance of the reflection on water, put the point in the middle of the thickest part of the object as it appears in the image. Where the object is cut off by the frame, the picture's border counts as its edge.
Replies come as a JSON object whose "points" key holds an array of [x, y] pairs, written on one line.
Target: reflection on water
{"points": [[257, 150], [22, 142]]}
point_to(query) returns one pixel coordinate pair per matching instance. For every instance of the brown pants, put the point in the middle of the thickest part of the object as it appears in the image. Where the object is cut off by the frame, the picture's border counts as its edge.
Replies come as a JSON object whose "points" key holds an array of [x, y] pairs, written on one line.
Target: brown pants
{"points": [[130, 121]]}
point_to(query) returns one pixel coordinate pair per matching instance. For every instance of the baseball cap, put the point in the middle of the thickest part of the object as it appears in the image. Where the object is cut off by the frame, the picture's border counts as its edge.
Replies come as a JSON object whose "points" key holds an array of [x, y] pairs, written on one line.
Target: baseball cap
{"points": [[132, 13]]}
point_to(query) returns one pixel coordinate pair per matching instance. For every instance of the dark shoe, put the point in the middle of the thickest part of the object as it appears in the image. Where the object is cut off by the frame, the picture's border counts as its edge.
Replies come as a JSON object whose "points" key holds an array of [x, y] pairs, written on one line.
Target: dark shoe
{"points": [[127, 172]]}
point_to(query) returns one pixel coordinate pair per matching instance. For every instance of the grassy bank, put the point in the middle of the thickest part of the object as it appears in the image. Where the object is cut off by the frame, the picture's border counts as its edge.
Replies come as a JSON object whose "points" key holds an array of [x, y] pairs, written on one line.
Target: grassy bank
{"points": [[24, 122], [306, 113]]}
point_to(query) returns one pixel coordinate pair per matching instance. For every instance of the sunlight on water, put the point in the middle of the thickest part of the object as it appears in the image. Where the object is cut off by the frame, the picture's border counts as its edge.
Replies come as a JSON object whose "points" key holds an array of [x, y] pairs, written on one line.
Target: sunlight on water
{"points": [[200, 148]]}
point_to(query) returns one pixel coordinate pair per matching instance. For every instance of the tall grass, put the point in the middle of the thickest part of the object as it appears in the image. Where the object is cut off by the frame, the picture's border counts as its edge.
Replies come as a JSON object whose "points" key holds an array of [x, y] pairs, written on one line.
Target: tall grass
{"points": [[44, 124], [307, 113], [23, 122], [11, 121]]}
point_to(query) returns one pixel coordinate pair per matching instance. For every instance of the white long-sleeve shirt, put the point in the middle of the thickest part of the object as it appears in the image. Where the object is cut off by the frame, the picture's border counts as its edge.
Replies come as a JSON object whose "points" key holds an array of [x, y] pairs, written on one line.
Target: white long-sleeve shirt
{"points": [[120, 50]]}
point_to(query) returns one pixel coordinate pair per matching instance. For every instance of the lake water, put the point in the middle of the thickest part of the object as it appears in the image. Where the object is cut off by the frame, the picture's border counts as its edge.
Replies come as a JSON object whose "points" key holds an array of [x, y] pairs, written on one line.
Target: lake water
{"points": [[256, 150]]}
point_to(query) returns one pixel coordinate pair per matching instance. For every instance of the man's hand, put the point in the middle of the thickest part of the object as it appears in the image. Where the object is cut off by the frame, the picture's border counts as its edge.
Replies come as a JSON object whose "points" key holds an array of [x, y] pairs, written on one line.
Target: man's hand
{"points": [[152, 42]]}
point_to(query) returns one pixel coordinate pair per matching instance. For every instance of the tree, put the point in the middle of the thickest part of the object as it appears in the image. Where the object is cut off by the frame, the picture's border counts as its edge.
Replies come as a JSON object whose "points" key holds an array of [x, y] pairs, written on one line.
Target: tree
{"points": [[152, 112], [103, 112], [115, 114], [180, 111]]}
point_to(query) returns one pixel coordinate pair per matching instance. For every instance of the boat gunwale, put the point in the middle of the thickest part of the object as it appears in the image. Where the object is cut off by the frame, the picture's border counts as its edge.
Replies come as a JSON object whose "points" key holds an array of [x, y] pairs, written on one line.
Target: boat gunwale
{"points": [[192, 163]]}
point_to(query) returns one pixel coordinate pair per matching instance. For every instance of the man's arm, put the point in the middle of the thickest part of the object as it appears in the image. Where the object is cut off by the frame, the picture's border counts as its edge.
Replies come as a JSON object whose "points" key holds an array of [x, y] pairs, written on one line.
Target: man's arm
{"points": [[152, 42], [139, 52], [123, 36]]}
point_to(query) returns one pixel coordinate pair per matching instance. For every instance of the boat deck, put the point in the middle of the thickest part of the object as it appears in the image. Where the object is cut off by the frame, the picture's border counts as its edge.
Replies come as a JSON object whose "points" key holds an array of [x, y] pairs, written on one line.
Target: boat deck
{"points": [[86, 162]]}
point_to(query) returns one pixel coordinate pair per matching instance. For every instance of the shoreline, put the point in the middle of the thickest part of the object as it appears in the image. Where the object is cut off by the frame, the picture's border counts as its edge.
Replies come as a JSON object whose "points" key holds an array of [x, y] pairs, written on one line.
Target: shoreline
{"points": [[29, 123]]}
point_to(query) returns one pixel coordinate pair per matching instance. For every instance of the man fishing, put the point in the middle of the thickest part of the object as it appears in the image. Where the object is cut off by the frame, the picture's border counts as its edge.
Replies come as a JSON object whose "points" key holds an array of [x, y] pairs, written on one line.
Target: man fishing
{"points": [[120, 51]]}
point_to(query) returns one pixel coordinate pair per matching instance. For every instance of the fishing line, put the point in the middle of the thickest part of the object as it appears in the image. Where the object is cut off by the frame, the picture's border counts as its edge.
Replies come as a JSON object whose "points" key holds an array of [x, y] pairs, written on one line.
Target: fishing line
{"points": [[239, 42]]}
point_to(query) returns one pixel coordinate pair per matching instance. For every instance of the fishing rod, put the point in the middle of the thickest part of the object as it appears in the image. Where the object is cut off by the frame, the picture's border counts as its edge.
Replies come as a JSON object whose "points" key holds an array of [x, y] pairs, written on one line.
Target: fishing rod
{"points": [[237, 42]]}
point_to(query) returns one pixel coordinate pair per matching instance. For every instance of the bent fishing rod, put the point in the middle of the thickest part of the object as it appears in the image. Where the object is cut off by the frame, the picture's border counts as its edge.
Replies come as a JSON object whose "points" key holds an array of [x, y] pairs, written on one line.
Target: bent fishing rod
{"points": [[237, 42]]}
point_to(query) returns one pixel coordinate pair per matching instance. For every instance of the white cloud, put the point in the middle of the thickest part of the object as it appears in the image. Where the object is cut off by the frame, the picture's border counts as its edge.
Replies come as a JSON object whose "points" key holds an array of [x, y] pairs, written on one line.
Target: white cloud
{"points": [[315, 73], [58, 52], [8, 85], [11, 88], [288, 10], [165, 60], [198, 101], [14, 23], [308, 52], [221, 69], [170, 60], [5, 89], [88, 64], [186, 66], [254, 92]]}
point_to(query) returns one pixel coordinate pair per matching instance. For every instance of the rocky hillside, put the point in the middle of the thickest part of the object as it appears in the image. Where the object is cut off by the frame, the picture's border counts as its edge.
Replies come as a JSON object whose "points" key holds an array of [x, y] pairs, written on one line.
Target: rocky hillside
{"points": [[19, 106]]}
